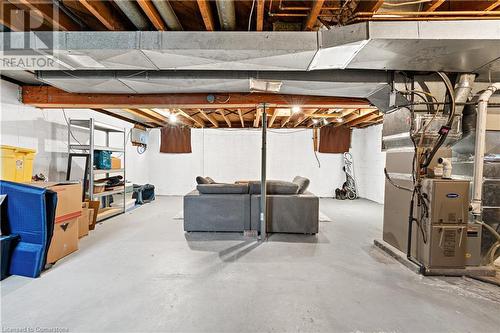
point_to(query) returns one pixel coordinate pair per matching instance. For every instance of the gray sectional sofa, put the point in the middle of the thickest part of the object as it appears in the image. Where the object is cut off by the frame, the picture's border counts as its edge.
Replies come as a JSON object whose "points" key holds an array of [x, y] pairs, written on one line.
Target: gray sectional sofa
{"points": [[236, 207]]}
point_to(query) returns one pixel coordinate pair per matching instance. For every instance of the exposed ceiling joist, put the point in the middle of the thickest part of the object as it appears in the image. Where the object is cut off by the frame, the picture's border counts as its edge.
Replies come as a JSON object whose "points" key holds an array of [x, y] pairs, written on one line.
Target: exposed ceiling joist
{"points": [[58, 19], [210, 118], [240, 115], [273, 117], [260, 15], [16, 19], [353, 116], [206, 14], [144, 115], [304, 117], [226, 119], [152, 14], [493, 6], [363, 119], [118, 116], [433, 5], [104, 13], [50, 97], [196, 121], [257, 117], [313, 14]]}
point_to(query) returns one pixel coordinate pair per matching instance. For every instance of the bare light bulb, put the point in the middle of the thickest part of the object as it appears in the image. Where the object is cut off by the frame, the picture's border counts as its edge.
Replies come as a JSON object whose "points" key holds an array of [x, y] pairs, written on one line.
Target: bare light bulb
{"points": [[295, 109], [172, 117]]}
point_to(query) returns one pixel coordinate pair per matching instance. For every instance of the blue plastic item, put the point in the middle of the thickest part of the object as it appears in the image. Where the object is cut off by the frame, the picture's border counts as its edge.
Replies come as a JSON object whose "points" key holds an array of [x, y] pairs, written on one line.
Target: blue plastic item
{"points": [[30, 213], [7, 242], [102, 159]]}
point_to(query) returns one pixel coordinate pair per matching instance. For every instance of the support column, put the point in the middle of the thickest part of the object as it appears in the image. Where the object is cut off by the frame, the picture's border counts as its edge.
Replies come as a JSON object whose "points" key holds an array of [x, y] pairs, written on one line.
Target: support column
{"points": [[263, 190]]}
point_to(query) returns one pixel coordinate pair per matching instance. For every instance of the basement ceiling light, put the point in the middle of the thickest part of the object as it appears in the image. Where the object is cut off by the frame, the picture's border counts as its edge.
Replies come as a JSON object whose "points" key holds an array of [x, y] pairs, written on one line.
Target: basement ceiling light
{"points": [[295, 109], [172, 117], [265, 86]]}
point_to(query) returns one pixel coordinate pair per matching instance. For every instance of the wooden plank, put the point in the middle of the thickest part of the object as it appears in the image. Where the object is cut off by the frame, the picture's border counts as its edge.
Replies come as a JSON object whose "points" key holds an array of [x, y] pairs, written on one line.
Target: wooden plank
{"points": [[155, 115], [260, 16], [118, 116], [58, 19], [433, 5], [206, 14], [104, 14], [221, 112], [353, 116], [183, 113], [210, 118], [257, 118], [304, 117], [152, 13], [143, 115], [273, 117], [493, 6], [313, 14], [369, 5], [240, 114], [361, 119], [51, 97]]}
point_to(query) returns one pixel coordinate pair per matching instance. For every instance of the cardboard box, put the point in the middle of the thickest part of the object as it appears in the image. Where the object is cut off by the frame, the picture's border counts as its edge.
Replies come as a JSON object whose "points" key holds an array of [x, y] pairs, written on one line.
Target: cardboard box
{"points": [[83, 223], [64, 240], [116, 163], [68, 211], [94, 205]]}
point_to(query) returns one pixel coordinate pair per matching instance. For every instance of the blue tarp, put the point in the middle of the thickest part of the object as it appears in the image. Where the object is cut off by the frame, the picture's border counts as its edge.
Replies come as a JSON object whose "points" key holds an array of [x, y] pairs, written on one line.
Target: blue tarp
{"points": [[30, 213]]}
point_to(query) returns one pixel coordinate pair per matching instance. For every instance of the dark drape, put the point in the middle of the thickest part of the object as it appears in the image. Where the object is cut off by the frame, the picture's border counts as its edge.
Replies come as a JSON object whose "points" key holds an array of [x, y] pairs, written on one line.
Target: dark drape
{"points": [[334, 139], [175, 140]]}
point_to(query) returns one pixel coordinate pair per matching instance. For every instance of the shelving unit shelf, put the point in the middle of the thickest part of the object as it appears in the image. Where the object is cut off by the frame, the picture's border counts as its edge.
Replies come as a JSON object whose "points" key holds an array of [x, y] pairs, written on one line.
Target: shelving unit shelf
{"points": [[95, 126]]}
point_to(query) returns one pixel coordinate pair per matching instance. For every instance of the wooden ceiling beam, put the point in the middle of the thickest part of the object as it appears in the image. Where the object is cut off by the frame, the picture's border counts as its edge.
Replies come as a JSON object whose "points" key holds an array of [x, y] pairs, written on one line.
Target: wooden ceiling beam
{"points": [[363, 119], [51, 97], [221, 112], [58, 19], [118, 116], [17, 19], [303, 117], [433, 5], [183, 113], [144, 115], [206, 14], [260, 15], [152, 13], [369, 5], [104, 13], [257, 118], [313, 14], [493, 6], [358, 113], [273, 117], [240, 115], [210, 118]]}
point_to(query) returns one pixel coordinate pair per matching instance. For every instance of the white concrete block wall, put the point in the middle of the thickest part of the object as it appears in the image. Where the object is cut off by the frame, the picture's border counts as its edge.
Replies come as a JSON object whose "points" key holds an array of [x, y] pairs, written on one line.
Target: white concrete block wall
{"points": [[369, 162], [46, 131]]}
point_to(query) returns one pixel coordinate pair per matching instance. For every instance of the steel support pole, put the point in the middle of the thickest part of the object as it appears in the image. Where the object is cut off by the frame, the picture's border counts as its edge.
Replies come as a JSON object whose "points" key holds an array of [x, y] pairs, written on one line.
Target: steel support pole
{"points": [[263, 191]]}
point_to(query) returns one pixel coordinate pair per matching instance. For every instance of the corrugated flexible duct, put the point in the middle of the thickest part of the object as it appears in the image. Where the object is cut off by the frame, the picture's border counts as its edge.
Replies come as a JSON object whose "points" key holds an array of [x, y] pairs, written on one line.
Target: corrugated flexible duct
{"points": [[227, 14], [168, 14], [133, 13]]}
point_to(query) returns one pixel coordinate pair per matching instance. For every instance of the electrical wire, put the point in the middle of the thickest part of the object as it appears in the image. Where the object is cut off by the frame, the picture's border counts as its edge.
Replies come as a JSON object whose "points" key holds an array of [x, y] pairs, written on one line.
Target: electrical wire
{"points": [[317, 159], [394, 184], [250, 16]]}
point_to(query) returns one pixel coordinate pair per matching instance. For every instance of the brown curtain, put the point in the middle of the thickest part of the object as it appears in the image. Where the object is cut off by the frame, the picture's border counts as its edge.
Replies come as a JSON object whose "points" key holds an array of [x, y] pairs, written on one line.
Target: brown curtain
{"points": [[334, 139], [175, 140]]}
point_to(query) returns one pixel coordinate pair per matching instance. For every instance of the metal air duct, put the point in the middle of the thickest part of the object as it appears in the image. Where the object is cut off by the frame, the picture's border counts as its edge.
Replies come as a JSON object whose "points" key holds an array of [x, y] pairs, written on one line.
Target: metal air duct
{"points": [[133, 13], [227, 14], [168, 14]]}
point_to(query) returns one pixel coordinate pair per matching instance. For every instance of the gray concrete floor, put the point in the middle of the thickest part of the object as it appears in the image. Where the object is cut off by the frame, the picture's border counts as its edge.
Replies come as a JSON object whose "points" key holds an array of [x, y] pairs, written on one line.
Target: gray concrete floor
{"points": [[140, 272]]}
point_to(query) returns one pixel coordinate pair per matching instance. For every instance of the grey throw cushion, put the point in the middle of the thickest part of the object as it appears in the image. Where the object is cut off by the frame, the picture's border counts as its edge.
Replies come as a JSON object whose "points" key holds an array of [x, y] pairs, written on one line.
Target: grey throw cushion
{"points": [[302, 182], [274, 187], [202, 180], [223, 188]]}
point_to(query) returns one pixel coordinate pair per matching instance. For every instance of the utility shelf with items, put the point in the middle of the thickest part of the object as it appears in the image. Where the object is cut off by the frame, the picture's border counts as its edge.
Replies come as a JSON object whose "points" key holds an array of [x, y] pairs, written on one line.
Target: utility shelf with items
{"points": [[93, 188]]}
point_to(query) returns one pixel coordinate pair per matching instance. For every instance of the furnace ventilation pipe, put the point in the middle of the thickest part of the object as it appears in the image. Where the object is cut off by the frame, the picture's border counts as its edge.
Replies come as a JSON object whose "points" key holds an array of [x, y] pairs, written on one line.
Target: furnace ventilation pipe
{"points": [[133, 13], [167, 14], [227, 14], [482, 112]]}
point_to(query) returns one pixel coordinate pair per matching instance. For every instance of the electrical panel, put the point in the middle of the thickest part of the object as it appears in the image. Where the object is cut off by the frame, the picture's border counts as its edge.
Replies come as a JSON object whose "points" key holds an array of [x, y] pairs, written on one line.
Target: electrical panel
{"points": [[139, 137], [443, 217]]}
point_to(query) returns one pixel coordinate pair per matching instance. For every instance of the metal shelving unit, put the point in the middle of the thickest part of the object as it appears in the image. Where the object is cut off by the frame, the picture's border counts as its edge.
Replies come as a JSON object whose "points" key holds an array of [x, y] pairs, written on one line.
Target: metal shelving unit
{"points": [[92, 126]]}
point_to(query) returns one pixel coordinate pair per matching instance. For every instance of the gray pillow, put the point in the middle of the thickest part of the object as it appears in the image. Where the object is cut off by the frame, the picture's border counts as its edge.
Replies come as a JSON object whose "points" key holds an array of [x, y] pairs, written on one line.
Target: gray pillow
{"points": [[210, 180], [223, 188], [274, 187], [202, 180], [302, 182]]}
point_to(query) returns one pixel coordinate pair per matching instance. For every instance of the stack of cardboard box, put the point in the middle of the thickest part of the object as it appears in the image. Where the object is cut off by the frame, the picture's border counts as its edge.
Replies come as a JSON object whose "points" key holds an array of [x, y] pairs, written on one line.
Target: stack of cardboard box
{"points": [[73, 219]]}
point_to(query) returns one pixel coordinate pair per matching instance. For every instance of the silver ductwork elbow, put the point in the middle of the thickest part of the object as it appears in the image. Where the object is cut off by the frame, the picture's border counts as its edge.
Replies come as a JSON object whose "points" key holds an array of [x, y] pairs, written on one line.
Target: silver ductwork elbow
{"points": [[227, 14], [463, 89], [167, 14], [132, 11]]}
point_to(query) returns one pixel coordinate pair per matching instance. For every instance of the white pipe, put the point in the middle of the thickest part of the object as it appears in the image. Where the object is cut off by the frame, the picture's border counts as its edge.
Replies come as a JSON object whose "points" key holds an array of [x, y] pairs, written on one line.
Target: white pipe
{"points": [[482, 113]]}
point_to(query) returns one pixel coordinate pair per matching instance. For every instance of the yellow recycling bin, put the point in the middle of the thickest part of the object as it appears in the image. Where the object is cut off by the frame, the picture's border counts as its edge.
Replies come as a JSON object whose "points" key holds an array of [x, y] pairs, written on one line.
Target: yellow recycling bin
{"points": [[17, 163]]}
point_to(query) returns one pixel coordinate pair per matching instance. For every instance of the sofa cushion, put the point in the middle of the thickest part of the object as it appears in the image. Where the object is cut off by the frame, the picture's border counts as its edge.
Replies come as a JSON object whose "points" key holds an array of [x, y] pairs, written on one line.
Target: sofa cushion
{"points": [[274, 187], [302, 182], [223, 188]]}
